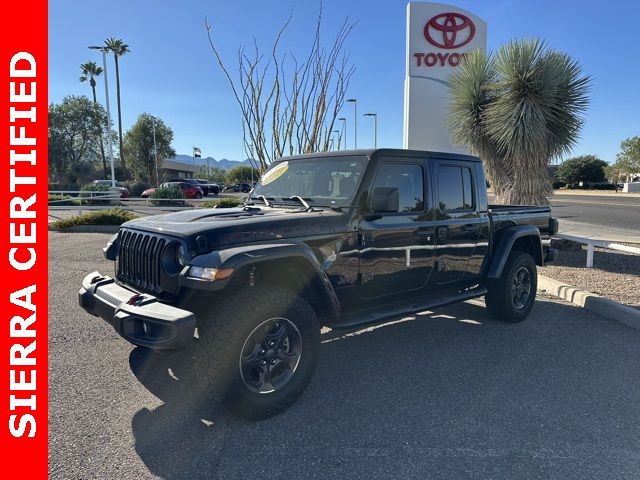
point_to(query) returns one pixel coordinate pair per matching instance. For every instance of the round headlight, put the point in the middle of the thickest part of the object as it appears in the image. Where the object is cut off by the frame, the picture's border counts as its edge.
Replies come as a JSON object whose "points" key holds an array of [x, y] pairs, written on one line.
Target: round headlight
{"points": [[181, 255]]}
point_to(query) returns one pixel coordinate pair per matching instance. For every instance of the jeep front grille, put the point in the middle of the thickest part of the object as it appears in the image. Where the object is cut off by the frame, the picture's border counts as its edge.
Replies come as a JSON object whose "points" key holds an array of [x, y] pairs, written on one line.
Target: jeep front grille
{"points": [[139, 262]]}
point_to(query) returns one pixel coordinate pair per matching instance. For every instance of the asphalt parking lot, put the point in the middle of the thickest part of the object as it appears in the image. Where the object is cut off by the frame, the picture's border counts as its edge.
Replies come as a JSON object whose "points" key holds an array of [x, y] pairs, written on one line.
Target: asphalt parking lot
{"points": [[450, 394]]}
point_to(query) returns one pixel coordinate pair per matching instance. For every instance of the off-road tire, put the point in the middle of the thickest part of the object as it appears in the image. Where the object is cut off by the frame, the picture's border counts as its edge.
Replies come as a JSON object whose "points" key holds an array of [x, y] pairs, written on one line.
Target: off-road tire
{"points": [[501, 292], [223, 336]]}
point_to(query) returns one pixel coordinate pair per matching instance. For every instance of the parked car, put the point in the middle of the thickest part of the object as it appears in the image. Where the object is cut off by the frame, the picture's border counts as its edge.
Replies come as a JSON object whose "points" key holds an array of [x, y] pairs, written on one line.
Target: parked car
{"points": [[189, 190], [124, 191], [194, 182], [336, 239], [208, 187], [238, 187]]}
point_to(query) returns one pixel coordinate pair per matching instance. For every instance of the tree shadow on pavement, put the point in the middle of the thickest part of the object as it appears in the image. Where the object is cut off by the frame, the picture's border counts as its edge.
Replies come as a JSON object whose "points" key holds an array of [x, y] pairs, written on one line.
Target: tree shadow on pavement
{"points": [[449, 394]]}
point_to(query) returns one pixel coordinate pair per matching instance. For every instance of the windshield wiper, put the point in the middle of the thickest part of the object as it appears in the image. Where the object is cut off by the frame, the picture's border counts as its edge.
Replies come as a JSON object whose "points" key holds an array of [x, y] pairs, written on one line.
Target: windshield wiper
{"points": [[264, 199], [307, 207]]}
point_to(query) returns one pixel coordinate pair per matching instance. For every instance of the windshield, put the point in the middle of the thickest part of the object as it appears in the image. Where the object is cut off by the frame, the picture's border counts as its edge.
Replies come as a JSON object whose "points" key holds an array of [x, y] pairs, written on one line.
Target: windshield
{"points": [[322, 181]]}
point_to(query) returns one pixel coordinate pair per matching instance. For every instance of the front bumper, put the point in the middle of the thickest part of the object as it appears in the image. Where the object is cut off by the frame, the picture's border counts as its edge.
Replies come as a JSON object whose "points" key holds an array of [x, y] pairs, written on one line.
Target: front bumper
{"points": [[138, 318]]}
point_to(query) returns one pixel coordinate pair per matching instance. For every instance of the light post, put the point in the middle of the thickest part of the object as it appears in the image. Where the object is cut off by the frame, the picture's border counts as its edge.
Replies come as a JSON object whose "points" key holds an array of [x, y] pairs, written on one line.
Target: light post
{"points": [[106, 95], [355, 121], [344, 130], [339, 139], [375, 127]]}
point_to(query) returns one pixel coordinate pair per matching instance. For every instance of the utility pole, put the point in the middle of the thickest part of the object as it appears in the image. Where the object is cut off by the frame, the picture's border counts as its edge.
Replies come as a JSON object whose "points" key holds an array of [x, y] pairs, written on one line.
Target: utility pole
{"points": [[106, 95]]}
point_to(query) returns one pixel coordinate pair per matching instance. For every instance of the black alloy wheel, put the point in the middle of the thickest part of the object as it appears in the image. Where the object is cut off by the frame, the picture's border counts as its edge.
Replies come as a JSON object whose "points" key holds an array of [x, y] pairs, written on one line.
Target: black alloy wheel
{"points": [[270, 355], [521, 289]]}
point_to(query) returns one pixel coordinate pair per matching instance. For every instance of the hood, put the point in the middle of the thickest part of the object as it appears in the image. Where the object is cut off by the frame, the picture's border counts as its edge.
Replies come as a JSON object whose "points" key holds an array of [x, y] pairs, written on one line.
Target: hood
{"points": [[227, 226]]}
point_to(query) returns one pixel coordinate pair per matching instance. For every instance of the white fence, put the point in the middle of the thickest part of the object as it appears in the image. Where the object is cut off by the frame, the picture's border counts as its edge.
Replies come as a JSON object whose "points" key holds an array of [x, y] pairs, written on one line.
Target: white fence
{"points": [[85, 201], [591, 243]]}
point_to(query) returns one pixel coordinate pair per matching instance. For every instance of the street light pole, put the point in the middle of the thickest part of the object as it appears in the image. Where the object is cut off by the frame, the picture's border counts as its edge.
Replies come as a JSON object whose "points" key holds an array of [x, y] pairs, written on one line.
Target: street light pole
{"points": [[355, 121], [339, 139], [106, 95], [344, 130], [375, 127]]}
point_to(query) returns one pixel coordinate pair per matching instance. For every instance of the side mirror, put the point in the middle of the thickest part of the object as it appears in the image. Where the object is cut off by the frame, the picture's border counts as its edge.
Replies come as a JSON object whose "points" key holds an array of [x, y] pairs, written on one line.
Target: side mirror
{"points": [[385, 200]]}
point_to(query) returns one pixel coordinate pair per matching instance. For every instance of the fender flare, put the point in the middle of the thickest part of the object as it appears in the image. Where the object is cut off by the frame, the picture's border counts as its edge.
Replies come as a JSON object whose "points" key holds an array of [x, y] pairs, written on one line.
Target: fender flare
{"points": [[507, 239], [246, 255]]}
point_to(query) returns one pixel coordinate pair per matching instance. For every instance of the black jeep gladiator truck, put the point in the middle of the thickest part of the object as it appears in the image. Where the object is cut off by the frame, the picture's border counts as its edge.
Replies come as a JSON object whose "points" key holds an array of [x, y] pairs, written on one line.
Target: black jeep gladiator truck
{"points": [[336, 239]]}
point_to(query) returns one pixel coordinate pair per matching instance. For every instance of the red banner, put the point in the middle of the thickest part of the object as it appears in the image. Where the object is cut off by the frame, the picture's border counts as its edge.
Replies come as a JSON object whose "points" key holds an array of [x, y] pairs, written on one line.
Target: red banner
{"points": [[23, 287]]}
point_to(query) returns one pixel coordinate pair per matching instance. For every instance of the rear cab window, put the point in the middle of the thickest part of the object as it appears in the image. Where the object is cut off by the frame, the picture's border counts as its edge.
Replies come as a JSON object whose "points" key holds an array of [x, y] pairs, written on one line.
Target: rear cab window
{"points": [[455, 188]]}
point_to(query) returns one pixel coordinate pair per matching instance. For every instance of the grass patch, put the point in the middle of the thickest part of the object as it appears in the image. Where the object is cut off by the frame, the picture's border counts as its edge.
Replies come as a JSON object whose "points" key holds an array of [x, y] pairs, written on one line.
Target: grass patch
{"points": [[110, 216]]}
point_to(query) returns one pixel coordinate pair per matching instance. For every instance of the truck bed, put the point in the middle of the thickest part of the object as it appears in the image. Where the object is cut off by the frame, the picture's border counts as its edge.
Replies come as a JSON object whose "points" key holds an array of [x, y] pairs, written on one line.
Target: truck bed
{"points": [[508, 215]]}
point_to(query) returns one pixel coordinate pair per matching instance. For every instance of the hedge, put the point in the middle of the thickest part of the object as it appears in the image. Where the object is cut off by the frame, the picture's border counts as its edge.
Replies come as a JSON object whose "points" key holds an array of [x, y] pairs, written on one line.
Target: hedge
{"points": [[228, 202], [167, 194], [110, 216]]}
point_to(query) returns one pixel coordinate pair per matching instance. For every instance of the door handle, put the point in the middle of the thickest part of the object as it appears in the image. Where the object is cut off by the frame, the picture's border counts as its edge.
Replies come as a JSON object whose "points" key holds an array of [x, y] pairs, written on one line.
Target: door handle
{"points": [[426, 233]]}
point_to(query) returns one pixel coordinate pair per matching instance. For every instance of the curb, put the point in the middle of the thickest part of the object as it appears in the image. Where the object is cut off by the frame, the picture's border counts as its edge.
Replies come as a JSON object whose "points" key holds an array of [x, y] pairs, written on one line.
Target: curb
{"points": [[86, 229], [590, 301]]}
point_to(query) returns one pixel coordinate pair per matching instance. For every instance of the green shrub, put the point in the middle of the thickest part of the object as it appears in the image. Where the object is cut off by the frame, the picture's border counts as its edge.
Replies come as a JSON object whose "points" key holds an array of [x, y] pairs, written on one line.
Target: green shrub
{"points": [[228, 202], [63, 200], [57, 196], [604, 186], [95, 187], [63, 186], [110, 216], [136, 188], [169, 196]]}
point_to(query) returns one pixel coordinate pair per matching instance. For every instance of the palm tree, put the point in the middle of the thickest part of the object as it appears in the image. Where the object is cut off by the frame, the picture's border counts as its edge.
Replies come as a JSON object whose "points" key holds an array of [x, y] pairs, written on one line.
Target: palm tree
{"points": [[118, 48], [518, 109], [89, 72]]}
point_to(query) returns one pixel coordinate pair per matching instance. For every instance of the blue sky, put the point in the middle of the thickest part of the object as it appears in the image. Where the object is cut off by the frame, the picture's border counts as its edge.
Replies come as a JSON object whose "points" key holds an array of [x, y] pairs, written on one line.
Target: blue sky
{"points": [[171, 71]]}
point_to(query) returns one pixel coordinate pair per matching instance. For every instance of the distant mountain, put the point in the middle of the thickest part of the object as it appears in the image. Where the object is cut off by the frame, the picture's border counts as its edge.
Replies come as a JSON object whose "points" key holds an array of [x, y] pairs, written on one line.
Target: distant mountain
{"points": [[224, 163]]}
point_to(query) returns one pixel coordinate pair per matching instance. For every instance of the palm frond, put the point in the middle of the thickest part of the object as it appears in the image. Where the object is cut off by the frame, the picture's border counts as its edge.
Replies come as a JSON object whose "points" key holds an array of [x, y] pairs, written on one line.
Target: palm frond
{"points": [[117, 46]]}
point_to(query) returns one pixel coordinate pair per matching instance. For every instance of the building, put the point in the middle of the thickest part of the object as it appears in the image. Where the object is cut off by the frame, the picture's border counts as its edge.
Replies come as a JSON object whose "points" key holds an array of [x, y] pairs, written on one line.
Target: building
{"points": [[173, 169]]}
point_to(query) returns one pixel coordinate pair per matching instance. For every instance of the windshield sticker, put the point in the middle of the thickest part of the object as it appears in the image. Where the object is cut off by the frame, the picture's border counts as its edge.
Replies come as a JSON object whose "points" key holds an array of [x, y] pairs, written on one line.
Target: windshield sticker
{"points": [[275, 173]]}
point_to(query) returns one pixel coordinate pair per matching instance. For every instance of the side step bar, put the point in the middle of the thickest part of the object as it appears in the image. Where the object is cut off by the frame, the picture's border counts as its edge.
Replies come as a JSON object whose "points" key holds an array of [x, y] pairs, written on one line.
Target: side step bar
{"points": [[370, 316]]}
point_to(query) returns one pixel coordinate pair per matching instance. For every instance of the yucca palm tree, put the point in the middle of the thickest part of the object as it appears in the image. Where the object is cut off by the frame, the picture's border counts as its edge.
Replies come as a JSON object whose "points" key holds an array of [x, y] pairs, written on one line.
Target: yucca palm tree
{"points": [[118, 48], [89, 72], [518, 109]]}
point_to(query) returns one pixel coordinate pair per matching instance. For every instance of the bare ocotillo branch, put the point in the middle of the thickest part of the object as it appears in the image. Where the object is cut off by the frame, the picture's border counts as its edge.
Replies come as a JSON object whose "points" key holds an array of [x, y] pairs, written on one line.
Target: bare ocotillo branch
{"points": [[289, 106]]}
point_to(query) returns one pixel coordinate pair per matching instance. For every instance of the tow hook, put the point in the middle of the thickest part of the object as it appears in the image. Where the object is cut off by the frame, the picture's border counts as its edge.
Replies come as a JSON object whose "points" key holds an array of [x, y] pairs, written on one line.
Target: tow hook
{"points": [[135, 299]]}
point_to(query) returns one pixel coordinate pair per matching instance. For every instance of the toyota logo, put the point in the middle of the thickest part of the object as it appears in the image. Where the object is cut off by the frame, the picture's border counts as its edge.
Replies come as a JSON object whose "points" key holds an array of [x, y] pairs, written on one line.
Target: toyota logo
{"points": [[449, 30]]}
